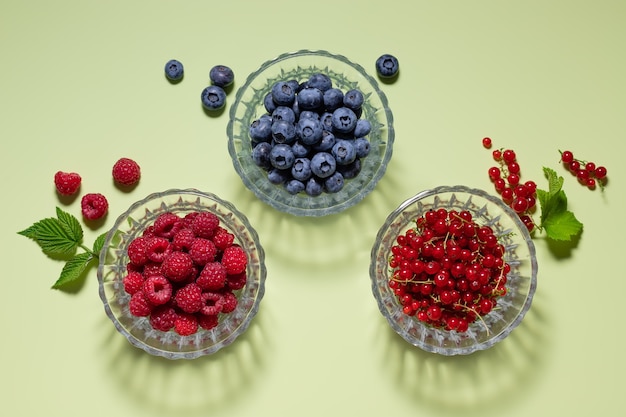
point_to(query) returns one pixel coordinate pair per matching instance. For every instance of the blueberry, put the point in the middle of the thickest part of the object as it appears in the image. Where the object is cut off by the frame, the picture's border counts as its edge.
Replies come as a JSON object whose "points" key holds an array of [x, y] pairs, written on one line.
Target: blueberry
{"points": [[281, 156], [284, 113], [344, 120], [362, 146], [221, 75], [310, 99], [323, 164], [294, 186], [213, 98], [327, 142], [320, 81], [313, 187], [299, 149], [333, 99], [268, 103], [309, 131], [309, 114], [278, 176], [344, 151], [327, 121], [363, 128], [261, 129], [174, 70], [261, 154], [334, 183], [387, 66], [353, 99], [301, 169], [283, 131], [283, 94], [351, 170], [294, 84]]}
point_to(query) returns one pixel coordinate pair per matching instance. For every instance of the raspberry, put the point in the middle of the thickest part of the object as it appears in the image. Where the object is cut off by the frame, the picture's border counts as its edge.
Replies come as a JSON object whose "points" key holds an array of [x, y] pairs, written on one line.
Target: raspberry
{"points": [[189, 298], [189, 218], [139, 305], [223, 238], [202, 251], [163, 317], [186, 324], [207, 322], [234, 259], [67, 183], [152, 268], [237, 281], [212, 303], [212, 277], [229, 302], [204, 224], [183, 239], [137, 251], [157, 249], [167, 225], [158, 289], [94, 206], [133, 282], [126, 172], [177, 266]]}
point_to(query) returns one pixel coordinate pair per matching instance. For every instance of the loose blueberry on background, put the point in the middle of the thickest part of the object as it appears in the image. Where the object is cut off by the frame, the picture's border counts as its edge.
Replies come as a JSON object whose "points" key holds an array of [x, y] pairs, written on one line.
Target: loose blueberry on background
{"points": [[387, 66], [213, 98], [222, 76], [174, 70]]}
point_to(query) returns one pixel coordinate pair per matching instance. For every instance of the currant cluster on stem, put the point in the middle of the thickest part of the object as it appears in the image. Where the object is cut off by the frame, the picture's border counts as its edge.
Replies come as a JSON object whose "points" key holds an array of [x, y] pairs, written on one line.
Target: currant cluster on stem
{"points": [[587, 172], [448, 271], [506, 178]]}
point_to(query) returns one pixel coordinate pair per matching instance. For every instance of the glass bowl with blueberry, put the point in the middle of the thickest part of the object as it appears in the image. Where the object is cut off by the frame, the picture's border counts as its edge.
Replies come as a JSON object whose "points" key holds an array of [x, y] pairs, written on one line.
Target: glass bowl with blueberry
{"points": [[453, 270], [310, 133], [181, 274]]}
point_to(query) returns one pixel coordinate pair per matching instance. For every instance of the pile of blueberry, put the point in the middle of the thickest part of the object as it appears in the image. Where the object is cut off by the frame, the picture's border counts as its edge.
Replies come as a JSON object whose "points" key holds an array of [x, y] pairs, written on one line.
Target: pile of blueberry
{"points": [[312, 137]]}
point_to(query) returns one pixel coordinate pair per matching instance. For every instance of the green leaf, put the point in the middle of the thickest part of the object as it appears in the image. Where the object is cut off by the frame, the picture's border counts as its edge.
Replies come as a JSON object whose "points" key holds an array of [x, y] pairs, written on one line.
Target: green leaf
{"points": [[551, 204], [53, 237], [98, 244], [70, 225], [73, 269], [555, 182], [562, 226]]}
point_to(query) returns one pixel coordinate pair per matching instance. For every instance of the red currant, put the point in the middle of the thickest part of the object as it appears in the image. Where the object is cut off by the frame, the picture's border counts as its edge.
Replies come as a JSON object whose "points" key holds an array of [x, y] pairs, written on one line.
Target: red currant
{"points": [[600, 172], [487, 143], [567, 157]]}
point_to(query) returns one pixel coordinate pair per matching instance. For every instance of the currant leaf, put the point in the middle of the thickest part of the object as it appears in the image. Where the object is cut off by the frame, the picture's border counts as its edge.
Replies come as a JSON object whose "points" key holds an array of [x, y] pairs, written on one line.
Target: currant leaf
{"points": [[555, 182], [562, 226], [73, 269]]}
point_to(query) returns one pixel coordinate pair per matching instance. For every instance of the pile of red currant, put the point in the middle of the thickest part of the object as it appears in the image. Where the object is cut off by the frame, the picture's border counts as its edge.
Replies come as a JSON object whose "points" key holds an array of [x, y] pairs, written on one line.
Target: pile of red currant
{"points": [[448, 271], [506, 178], [587, 172]]}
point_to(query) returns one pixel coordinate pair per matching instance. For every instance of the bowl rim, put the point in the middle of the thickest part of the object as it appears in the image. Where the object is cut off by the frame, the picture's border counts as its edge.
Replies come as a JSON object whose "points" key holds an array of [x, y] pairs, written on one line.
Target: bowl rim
{"points": [[526, 239], [260, 287], [351, 200]]}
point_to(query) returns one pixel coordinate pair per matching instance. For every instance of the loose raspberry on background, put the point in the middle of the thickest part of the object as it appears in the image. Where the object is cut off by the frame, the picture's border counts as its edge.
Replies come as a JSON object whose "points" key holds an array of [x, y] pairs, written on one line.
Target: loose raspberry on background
{"points": [[67, 183], [94, 206], [126, 172]]}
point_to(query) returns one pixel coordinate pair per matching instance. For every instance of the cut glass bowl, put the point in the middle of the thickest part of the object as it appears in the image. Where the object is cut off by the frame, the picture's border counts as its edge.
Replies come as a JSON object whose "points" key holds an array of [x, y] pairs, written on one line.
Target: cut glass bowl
{"points": [[521, 281], [248, 107], [114, 259]]}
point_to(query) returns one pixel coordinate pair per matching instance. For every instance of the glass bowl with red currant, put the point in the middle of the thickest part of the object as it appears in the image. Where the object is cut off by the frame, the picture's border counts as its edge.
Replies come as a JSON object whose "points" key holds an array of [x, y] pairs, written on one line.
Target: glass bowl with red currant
{"points": [[453, 270], [310, 133], [181, 274]]}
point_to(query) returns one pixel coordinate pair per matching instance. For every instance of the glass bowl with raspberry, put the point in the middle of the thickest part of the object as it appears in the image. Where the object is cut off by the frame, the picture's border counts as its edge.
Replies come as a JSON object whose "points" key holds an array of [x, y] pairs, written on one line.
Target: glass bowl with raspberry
{"points": [[181, 274], [296, 112], [453, 270]]}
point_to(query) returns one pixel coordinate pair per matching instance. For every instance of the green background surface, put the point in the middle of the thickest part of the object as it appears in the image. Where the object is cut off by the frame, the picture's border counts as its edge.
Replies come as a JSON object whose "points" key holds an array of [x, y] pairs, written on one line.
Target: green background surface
{"points": [[82, 85]]}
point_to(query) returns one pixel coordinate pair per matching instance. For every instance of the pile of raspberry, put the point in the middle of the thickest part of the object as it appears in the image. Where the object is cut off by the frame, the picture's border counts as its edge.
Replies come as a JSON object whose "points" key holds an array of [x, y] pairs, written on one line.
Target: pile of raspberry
{"points": [[184, 271], [448, 271]]}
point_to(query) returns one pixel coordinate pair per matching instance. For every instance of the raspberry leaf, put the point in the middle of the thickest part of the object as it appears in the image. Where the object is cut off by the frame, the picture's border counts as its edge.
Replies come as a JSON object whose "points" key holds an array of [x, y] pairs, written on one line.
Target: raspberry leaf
{"points": [[70, 225], [73, 269], [53, 236], [98, 244]]}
